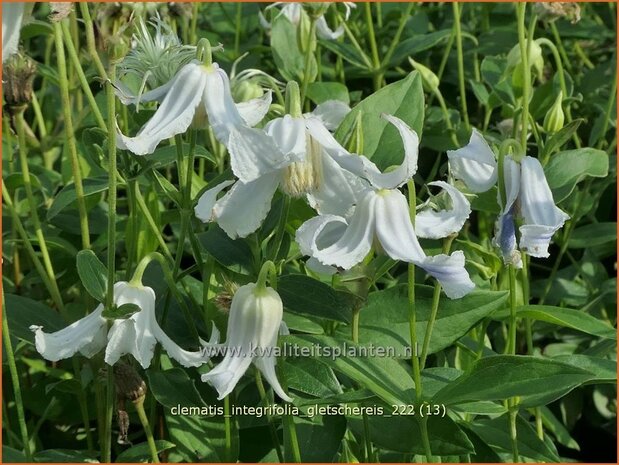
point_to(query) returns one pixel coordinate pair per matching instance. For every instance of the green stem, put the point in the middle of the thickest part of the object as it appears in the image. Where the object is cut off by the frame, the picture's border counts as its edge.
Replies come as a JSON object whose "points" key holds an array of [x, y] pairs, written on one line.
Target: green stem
{"points": [[237, 30], [139, 407], [443, 105], [90, 39], [19, 404], [611, 101], [512, 310], [273, 431], [106, 453], [377, 76], [70, 135], [436, 297], [75, 59], [526, 72], [396, 38], [308, 58], [513, 434], [228, 427], [458, 33]]}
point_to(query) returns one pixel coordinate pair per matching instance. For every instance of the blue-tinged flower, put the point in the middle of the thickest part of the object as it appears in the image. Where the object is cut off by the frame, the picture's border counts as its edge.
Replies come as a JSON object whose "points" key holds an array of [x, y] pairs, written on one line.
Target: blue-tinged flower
{"points": [[12, 16], [137, 334], [527, 196], [254, 324]]}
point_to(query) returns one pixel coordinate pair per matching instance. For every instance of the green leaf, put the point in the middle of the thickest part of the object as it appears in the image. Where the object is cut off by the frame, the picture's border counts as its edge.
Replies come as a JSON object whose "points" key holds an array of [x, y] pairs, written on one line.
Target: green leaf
{"points": [[93, 274], [311, 377], [537, 381], [496, 433], [308, 296], [289, 58], [319, 438], [120, 312], [561, 137], [320, 92], [557, 429], [402, 433], [592, 235], [23, 312], [384, 376], [417, 44], [347, 52], [141, 452], [65, 456], [605, 370], [384, 319], [234, 254], [68, 195], [568, 168], [569, 318], [10, 455], [382, 142]]}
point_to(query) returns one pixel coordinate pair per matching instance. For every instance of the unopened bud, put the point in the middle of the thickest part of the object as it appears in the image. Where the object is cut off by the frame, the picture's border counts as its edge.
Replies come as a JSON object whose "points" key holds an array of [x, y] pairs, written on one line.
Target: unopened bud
{"points": [[355, 143], [247, 90], [555, 118], [429, 80], [18, 74], [514, 63]]}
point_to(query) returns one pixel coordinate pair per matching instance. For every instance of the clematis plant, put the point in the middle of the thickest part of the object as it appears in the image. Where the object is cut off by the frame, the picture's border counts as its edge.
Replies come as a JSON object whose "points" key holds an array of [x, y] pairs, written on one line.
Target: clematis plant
{"points": [[253, 327], [309, 170], [136, 334], [526, 195], [381, 217]]}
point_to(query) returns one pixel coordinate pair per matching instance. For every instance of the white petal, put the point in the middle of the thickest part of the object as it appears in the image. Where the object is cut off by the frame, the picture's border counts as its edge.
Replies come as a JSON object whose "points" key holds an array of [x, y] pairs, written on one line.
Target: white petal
{"points": [[253, 154], [474, 164], [84, 334], [339, 189], [289, 135], [449, 271], [222, 112], [314, 265], [319, 233], [174, 115], [356, 242], [394, 229], [323, 31], [505, 238], [243, 209], [292, 11], [206, 202], [266, 365], [263, 21], [253, 111], [511, 171], [437, 224], [127, 97], [182, 356], [133, 335], [361, 166], [330, 113], [12, 15], [542, 218]]}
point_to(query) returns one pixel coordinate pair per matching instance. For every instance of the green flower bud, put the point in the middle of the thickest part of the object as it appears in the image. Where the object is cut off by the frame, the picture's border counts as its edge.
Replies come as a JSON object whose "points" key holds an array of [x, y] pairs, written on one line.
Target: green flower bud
{"points": [[514, 63], [247, 90], [555, 118], [429, 80]]}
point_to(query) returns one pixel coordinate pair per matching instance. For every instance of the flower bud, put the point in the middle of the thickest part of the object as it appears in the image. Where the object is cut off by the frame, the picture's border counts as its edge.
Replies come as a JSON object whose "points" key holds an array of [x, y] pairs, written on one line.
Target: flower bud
{"points": [[514, 62], [247, 90], [554, 119], [429, 80], [18, 74]]}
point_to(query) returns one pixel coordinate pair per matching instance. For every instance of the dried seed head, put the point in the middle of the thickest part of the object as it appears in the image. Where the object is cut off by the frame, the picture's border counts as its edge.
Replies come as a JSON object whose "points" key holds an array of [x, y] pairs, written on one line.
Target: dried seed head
{"points": [[128, 383], [223, 300], [18, 74], [550, 11], [60, 10]]}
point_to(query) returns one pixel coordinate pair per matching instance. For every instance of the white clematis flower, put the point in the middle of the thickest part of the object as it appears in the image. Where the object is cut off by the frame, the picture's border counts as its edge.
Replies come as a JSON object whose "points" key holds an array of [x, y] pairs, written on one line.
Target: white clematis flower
{"points": [[382, 216], [12, 16], [310, 170], [199, 90], [136, 335], [254, 324], [527, 195], [294, 10]]}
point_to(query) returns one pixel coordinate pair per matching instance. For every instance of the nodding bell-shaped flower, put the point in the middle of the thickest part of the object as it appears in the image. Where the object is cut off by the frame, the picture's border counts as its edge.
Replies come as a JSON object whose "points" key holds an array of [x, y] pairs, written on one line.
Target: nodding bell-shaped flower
{"points": [[253, 327], [293, 12], [136, 334], [307, 145], [527, 196], [12, 16], [381, 216]]}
